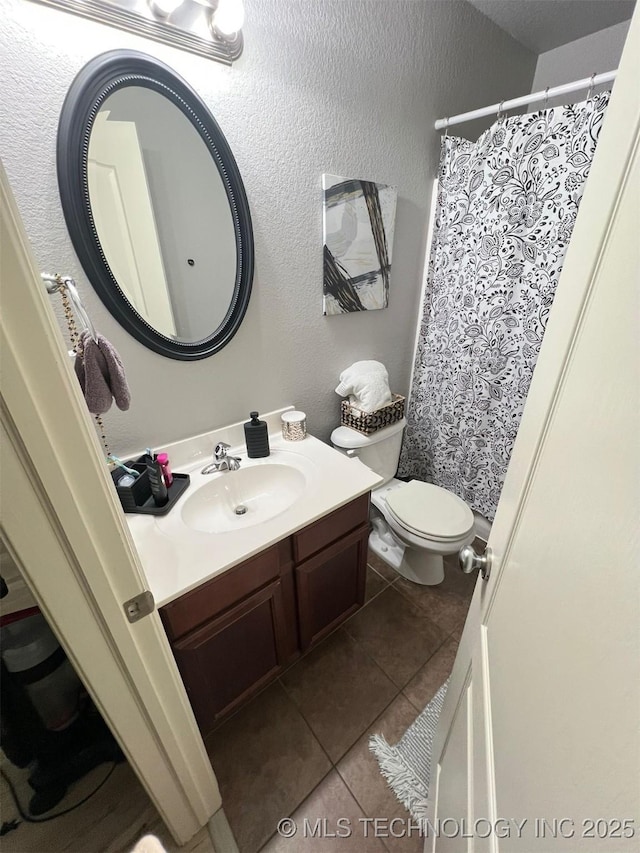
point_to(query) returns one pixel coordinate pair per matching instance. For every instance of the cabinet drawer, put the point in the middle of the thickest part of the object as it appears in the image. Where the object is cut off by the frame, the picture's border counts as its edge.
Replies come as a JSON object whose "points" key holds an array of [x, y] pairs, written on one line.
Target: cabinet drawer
{"points": [[333, 526], [217, 595]]}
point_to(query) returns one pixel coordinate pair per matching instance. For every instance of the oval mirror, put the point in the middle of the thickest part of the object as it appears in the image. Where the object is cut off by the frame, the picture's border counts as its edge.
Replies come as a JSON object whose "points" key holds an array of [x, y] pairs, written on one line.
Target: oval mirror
{"points": [[155, 205]]}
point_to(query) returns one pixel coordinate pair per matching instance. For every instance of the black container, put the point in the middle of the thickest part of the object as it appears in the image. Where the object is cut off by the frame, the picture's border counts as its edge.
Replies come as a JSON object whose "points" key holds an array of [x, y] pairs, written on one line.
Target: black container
{"points": [[139, 492], [138, 498], [256, 437]]}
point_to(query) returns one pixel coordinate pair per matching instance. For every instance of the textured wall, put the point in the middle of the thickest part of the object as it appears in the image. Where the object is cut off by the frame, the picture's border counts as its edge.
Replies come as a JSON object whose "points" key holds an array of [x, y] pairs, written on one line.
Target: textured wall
{"points": [[597, 52], [350, 87]]}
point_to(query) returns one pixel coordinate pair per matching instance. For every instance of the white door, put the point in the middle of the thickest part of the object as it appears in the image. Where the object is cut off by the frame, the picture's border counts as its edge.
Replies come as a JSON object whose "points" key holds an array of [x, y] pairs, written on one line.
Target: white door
{"points": [[541, 722], [124, 219]]}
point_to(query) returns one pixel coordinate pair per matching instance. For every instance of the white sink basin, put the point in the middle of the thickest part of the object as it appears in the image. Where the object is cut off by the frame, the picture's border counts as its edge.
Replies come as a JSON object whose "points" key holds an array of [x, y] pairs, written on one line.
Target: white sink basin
{"points": [[233, 500], [300, 482]]}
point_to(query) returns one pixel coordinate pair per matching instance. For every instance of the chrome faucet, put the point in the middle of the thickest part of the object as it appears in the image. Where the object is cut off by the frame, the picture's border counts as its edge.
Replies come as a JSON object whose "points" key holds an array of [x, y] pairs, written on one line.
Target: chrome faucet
{"points": [[221, 461]]}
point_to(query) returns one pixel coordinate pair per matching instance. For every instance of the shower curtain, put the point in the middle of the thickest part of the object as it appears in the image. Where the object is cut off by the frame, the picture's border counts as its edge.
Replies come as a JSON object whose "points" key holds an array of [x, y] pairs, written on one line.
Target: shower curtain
{"points": [[505, 212]]}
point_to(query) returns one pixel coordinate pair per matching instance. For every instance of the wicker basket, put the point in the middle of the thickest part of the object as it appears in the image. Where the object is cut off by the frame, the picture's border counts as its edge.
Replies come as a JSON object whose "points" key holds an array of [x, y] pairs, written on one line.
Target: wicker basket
{"points": [[369, 422]]}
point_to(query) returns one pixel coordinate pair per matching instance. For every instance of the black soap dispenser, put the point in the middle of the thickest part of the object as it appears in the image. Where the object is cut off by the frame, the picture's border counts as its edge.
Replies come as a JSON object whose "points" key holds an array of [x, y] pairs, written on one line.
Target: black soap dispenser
{"points": [[256, 437]]}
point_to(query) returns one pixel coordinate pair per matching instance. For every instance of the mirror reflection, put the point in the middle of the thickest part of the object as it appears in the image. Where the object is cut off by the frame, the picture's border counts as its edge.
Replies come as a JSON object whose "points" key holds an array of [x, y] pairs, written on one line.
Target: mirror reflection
{"points": [[162, 214]]}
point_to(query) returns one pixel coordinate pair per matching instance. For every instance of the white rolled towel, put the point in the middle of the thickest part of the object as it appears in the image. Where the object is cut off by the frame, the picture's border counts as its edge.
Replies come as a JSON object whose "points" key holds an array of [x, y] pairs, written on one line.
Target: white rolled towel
{"points": [[366, 383]]}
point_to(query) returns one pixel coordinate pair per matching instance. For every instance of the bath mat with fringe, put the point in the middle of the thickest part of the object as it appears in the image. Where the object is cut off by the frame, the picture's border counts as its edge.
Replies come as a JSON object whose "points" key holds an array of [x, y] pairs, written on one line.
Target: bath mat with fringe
{"points": [[407, 765]]}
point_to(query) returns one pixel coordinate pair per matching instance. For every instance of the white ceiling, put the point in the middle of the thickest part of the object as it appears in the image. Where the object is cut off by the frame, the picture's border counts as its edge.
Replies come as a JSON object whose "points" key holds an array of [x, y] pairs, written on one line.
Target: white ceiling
{"points": [[542, 25]]}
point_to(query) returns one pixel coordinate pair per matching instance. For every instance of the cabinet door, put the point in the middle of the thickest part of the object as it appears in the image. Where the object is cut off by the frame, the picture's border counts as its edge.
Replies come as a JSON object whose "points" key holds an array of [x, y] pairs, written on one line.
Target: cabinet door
{"points": [[230, 657], [201, 605], [330, 586]]}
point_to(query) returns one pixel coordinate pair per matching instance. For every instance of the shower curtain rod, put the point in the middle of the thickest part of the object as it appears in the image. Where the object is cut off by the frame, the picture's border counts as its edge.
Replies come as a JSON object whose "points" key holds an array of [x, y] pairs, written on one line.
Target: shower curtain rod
{"points": [[565, 89]]}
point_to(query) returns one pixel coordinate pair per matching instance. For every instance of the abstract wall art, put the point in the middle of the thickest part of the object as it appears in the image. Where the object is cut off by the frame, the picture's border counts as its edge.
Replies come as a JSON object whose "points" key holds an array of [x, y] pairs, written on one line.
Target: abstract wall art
{"points": [[359, 218]]}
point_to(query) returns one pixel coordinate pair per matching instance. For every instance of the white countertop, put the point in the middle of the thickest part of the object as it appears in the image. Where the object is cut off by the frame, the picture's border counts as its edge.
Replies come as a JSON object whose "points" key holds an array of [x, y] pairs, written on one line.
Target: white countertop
{"points": [[177, 559]]}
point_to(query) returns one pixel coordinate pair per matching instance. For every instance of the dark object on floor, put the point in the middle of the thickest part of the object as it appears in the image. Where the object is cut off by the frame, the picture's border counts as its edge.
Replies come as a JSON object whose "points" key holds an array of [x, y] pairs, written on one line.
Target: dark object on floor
{"points": [[9, 826], [60, 758], [69, 756]]}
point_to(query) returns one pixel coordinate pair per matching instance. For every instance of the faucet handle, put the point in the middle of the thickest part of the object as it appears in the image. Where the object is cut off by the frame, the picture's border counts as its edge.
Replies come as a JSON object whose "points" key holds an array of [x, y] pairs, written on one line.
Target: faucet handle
{"points": [[220, 451]]}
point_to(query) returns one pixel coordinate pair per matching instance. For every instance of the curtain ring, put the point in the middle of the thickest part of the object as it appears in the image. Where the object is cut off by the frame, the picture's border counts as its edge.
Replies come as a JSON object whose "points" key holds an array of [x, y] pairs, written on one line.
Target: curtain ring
{"points": [[500, 110], [590, 90], [446, 126], [546, 97]]}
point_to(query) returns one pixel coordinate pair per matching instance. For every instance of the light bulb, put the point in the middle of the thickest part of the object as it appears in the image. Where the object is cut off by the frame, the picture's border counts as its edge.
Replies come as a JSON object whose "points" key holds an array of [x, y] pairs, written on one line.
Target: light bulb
{"points": [[164, 7], [228, 17]]}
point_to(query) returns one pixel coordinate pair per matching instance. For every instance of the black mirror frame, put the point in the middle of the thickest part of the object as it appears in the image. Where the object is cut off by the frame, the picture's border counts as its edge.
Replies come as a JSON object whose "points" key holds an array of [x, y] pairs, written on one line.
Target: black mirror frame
{"points": [[99, 78]]}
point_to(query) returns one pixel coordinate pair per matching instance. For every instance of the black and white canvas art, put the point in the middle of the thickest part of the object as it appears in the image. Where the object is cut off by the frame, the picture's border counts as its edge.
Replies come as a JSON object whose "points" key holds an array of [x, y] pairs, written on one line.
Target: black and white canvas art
{"points": [[359, 218]]}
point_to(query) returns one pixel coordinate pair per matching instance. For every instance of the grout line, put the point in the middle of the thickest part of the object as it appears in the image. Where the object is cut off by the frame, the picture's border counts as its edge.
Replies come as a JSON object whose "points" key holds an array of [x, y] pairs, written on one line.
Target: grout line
{"points": [[361, 648], [364, 650], [413, 704], [373, 598], [362, 733], [308, 725], [334, 764], [313, 736], [380, 575], [301, 803], [352, 792], [425, 611], [425, 662], [422, 666]]}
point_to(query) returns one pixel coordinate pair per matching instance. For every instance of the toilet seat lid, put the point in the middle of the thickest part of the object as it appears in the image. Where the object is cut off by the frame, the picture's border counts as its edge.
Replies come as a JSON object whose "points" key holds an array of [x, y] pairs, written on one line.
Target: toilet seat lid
{"points": [[430, 511]]}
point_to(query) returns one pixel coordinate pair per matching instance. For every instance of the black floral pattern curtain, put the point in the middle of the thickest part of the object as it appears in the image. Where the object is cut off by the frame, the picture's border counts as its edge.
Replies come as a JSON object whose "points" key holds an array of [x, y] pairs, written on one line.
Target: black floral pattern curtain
{"points": [[506, 208]]}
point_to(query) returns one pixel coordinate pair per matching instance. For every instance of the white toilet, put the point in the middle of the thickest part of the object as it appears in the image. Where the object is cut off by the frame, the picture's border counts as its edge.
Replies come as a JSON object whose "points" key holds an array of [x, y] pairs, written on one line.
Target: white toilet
{"points": [[414, 524]]}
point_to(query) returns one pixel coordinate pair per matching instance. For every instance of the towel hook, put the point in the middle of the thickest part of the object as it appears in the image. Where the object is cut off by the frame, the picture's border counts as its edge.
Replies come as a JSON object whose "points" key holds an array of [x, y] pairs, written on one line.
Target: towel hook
{"points": [[55, 283], [52, 282]]}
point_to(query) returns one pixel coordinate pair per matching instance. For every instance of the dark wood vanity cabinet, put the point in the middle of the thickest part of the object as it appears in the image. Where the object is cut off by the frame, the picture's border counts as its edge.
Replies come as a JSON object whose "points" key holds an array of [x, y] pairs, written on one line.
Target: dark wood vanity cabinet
{"points": [[330, 569], [234, 633], [234, 654], [238, 631]]}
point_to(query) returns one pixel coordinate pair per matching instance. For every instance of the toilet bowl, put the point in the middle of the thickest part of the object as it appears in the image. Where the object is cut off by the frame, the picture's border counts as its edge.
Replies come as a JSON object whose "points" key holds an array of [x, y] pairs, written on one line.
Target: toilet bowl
{"points": [[414, 524], [425, 523]]}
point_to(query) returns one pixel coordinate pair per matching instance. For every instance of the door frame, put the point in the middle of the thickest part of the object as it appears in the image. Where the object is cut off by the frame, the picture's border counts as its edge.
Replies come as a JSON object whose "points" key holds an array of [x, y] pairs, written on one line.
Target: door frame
{"points": [[67, 532]]}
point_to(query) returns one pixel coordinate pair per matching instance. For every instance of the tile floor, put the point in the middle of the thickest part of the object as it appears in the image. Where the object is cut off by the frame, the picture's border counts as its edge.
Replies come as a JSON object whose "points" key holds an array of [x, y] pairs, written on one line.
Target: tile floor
{"points": [[300, 748], [110, 822]]}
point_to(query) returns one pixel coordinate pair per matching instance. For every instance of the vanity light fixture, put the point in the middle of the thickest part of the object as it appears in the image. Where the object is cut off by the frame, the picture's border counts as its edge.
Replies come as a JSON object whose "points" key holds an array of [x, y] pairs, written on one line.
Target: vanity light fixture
{"points": [[228, 18], [210, 28], [164, 8]]}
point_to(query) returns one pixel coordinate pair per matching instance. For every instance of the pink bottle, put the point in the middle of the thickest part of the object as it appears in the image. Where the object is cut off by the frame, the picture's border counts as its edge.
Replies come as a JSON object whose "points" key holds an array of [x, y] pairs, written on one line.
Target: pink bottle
{"points": [[163, 461]]}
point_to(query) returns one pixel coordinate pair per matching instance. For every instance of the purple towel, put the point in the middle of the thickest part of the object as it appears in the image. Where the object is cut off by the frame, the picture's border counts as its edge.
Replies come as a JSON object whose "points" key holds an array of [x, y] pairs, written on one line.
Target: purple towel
{"points": [[101, 375]]}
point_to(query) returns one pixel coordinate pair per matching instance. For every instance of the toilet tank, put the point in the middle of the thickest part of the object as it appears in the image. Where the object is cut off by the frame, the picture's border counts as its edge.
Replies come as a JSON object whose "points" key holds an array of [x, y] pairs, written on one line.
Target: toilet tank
{"points": [[379, 451]]}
